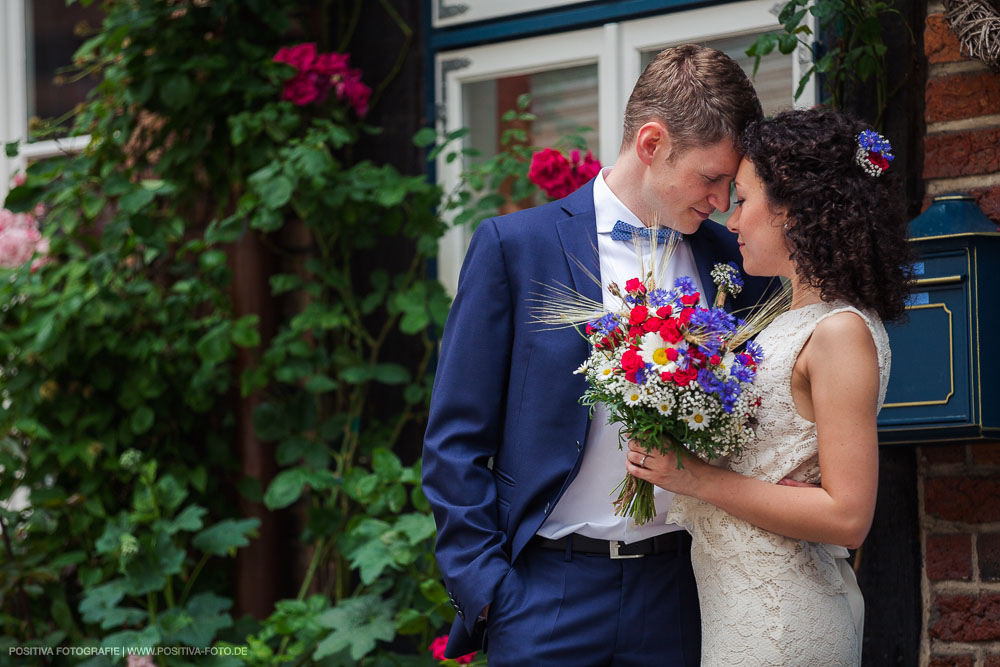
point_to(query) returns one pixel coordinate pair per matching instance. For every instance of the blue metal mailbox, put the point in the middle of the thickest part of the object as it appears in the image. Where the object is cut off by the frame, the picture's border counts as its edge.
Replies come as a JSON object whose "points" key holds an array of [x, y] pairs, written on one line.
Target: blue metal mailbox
{"points": [[945, 379]]}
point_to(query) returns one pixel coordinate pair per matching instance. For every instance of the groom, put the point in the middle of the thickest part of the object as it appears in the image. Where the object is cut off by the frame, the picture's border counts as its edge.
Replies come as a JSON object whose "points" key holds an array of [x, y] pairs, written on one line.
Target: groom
{"points": [[538, 567]]}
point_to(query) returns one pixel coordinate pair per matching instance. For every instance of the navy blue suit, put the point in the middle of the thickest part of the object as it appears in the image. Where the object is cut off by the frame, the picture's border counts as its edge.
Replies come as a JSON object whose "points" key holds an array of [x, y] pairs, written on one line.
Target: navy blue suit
{"points": [[506, 432]]}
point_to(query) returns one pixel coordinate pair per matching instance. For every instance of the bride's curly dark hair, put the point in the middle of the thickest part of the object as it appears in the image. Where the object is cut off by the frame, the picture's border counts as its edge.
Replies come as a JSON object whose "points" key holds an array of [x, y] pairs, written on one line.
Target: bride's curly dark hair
{"points": [[847, 230]]}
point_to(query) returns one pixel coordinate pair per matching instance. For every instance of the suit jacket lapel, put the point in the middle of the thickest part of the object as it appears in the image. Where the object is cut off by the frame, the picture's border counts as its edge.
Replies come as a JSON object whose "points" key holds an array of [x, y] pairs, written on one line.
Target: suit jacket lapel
{"points": [[578, 236], [704, 258]]}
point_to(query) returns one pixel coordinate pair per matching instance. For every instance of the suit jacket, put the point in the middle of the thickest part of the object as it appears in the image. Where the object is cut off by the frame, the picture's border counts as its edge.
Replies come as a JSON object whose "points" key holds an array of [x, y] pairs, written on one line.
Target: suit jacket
{"points": [[506, 430]]}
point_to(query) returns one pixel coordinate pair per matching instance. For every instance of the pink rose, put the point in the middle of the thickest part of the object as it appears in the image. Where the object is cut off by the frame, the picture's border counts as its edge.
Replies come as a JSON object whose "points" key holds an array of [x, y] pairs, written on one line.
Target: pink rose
{"points": [[300, 56], [550, 170], [331, 64], [300, 90], [587, 170], [355, 92], [437, 651]]}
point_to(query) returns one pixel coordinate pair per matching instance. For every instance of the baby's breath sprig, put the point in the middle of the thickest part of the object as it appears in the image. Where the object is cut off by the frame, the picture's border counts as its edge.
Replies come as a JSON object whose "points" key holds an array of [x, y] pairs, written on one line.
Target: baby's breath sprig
{"points": [[729, 281]]}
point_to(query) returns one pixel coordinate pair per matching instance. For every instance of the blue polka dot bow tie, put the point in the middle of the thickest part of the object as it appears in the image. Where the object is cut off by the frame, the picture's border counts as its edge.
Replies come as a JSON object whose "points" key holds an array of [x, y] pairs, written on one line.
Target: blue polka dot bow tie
{"points": [[622, 231]]}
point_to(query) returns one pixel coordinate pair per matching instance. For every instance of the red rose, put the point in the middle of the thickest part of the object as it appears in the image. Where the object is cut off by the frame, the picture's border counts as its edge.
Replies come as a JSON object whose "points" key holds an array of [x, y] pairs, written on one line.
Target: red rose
{"points": [[691, 299], [878, 160], [550, 170], [684, 377], [664, 311], [437, 651], [715, 360], [631, 361], [635, 331], [670, 332], [630, 376], [672, 354], [635, 285], [666, 376], [685, 315], [638, 315], [652, 324]]}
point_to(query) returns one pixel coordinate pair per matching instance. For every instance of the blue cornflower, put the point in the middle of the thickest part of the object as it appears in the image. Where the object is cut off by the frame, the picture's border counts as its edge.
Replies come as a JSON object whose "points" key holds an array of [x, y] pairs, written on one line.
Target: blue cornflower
{"points": [[685, 285], [709, 382], [606, 324], [742, 372], [642, 375], [658, 298], [755, 351], [730, 392], [872, 141]]}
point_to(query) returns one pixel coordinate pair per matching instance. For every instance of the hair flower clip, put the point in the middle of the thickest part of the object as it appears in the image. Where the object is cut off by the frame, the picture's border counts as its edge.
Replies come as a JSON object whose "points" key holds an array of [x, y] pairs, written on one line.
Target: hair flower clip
{"points": [[874, 153]]}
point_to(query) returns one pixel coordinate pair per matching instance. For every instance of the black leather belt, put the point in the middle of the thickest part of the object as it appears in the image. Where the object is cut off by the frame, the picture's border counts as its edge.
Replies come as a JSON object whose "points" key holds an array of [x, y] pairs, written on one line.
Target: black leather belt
{"points": [[660, 544]]}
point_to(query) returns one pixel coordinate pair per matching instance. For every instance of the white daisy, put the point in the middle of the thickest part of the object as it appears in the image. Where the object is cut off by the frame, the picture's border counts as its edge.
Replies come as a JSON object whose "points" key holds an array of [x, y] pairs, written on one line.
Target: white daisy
{"points": [[633, 397], [653, 350], [697, 420]]}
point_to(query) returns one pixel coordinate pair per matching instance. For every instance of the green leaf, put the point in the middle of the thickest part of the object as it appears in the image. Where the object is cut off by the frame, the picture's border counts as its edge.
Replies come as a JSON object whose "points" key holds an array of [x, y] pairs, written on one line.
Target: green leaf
{"points": [[358, 623], [177, 92], [226, 536], [433, 591], [416, 527], [356, 374], [134, 201], [276, 191], [386, 465], [142, 419], [285, 488], [391, 374], [205, 615], [787, 43], [214, 347], [424, 137], [270, 421], [244, 333], [188, 520], [320, 384]]}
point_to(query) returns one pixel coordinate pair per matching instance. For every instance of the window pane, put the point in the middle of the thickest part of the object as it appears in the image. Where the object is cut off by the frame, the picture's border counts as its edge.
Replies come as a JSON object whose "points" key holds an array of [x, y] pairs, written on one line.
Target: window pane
{"points": [[54, 31], [564, 100]]}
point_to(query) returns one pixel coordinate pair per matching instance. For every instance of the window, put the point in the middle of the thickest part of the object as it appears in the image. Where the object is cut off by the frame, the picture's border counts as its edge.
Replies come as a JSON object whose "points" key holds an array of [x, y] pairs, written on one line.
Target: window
{"points": [[584, 77], [39, 38]]}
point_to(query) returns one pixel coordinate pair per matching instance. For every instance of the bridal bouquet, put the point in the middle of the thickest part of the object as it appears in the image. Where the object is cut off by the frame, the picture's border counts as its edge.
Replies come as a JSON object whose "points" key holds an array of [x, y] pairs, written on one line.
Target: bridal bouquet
{"points": [[673, 374], [667, 371]]}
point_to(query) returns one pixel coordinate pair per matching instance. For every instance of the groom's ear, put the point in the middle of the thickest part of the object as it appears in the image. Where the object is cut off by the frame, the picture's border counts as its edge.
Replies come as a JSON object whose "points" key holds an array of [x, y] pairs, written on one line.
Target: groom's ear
{"points": [[652, 141]]}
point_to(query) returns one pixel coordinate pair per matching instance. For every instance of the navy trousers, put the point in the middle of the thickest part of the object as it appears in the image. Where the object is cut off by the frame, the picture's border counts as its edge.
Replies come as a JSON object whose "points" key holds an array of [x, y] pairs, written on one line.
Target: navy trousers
{"points": [[585, 610]]}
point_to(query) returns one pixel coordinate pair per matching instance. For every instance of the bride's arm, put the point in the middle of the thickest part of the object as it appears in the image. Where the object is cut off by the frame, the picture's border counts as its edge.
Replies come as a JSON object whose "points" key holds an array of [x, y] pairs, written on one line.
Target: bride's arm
{"points": [[840, 366]]}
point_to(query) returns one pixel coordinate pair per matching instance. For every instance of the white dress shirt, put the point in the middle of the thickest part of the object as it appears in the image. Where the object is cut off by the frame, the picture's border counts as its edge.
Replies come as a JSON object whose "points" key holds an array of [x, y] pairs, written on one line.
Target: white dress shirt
{"points": [[586, 506]]}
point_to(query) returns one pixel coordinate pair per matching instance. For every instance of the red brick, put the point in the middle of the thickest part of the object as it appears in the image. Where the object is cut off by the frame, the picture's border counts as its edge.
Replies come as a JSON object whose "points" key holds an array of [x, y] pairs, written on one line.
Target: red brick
{"points": [[992, 661], [949, 557], [988, 546], [962, 96], [986, 453], [962, 153], [966, 618], [943, 454], [950, 661], [967, 499], [941, 45]]}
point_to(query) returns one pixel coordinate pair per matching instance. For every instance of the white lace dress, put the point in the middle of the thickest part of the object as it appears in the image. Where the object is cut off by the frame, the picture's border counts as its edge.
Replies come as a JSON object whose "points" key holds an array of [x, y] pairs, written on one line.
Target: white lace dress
{"points": [[768, 599]]}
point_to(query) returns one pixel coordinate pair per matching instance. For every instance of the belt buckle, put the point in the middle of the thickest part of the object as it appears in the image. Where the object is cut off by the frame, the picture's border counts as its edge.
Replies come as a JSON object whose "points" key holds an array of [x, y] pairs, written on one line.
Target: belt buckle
{"points": [[614, 546]]}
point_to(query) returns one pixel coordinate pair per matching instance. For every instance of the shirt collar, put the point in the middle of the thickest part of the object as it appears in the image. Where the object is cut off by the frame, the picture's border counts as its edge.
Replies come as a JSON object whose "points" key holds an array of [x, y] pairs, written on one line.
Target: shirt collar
{"points": [[608, 208]]}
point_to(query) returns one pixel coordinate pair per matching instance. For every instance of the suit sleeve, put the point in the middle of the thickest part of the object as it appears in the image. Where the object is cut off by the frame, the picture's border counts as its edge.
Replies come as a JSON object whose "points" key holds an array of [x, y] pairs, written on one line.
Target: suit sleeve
{"points": [[465, 428]]}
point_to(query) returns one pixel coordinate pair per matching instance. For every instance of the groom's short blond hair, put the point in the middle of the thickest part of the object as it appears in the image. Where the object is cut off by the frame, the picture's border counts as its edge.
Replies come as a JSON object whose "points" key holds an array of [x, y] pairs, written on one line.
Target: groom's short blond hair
{"points": [[699, 93]]}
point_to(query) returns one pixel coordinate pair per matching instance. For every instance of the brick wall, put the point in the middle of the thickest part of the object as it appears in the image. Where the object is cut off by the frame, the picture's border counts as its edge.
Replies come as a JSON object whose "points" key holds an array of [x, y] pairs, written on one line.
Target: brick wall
{"points": [[959, 487], [962, 145]]}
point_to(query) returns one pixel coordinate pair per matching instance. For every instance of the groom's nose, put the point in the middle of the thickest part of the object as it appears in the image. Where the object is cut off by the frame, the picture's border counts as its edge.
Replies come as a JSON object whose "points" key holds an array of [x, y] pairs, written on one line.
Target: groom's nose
{"points": [[719, 197]]}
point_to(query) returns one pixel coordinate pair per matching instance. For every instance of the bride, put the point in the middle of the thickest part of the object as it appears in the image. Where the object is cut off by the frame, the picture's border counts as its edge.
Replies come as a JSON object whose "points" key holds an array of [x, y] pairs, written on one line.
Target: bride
{"points": [[813, 206]]}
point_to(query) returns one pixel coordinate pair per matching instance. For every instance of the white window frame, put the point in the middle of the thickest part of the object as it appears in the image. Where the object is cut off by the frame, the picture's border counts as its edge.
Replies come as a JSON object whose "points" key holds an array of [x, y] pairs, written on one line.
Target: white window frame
{"points": [[445, 13], [616, 48], [14, 99]]}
